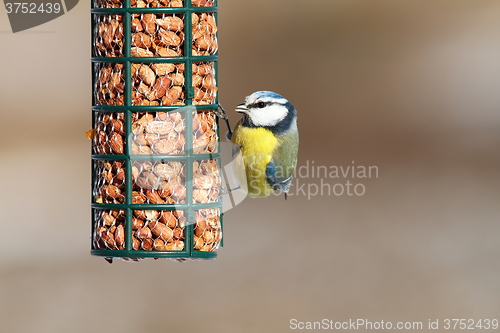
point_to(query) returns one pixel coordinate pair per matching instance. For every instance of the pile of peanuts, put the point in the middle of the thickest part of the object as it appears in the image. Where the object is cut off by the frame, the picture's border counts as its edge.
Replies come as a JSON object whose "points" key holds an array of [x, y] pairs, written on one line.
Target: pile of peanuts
{"points": [[109, 133], [154, 133], [154, 84], [156, 230], [109, 181], [159, 133], [151, 3], [156, 182]]}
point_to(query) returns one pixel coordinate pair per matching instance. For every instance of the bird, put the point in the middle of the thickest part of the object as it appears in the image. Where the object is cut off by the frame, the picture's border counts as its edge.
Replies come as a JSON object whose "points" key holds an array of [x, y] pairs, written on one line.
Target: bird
{"points": [[266, 142]]}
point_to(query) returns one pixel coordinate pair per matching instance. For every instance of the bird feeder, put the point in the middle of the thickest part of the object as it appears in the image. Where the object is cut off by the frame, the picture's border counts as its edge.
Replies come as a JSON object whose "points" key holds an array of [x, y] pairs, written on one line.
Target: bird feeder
{"points": [[156, 178]]}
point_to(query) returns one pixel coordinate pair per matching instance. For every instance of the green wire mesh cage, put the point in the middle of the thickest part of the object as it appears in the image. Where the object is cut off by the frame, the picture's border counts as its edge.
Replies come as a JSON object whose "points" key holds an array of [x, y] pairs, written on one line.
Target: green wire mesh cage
{"points": [[156, 178]]}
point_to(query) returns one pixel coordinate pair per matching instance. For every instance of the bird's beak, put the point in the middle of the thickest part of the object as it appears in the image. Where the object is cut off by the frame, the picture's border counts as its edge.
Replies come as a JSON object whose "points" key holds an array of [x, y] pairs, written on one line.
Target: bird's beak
{"points": [[241, 108]]}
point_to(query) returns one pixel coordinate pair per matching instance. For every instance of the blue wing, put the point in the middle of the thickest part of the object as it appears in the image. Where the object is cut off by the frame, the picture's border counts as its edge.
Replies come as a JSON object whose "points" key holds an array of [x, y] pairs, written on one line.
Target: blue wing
{"points": [[277, 183]]}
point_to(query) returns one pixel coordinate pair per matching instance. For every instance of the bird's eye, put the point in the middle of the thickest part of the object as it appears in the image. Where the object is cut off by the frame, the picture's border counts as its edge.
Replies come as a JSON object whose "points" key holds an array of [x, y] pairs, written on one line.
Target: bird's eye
{"points": [[261, 105]]}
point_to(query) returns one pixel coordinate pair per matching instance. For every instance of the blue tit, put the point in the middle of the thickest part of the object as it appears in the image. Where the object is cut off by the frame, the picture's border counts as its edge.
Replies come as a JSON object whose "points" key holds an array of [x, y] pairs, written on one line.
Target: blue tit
{"points": [[268, 142]]}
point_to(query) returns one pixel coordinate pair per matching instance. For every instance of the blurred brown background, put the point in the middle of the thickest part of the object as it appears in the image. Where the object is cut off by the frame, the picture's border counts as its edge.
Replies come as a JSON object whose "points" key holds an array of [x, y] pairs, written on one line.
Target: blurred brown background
{"points": [[409, 86]]}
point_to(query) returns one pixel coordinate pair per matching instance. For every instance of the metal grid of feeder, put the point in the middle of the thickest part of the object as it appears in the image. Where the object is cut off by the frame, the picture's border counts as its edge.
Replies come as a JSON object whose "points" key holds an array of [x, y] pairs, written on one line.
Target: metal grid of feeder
{"points": [[156, 178]]}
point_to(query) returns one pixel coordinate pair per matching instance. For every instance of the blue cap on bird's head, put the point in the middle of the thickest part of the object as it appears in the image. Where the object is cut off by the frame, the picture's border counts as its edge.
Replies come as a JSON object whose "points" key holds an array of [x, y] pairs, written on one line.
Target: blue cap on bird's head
{"points": [[265, 96], [265, 93]]}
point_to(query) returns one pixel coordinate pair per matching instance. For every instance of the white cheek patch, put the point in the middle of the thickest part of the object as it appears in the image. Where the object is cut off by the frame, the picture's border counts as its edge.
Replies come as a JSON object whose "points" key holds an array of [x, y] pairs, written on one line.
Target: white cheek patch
{"points": [[268, 116]]}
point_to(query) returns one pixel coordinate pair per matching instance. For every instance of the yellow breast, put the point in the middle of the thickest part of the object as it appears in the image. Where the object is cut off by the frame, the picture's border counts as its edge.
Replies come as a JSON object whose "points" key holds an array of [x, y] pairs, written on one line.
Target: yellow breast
{"points": [[257, 147]]}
